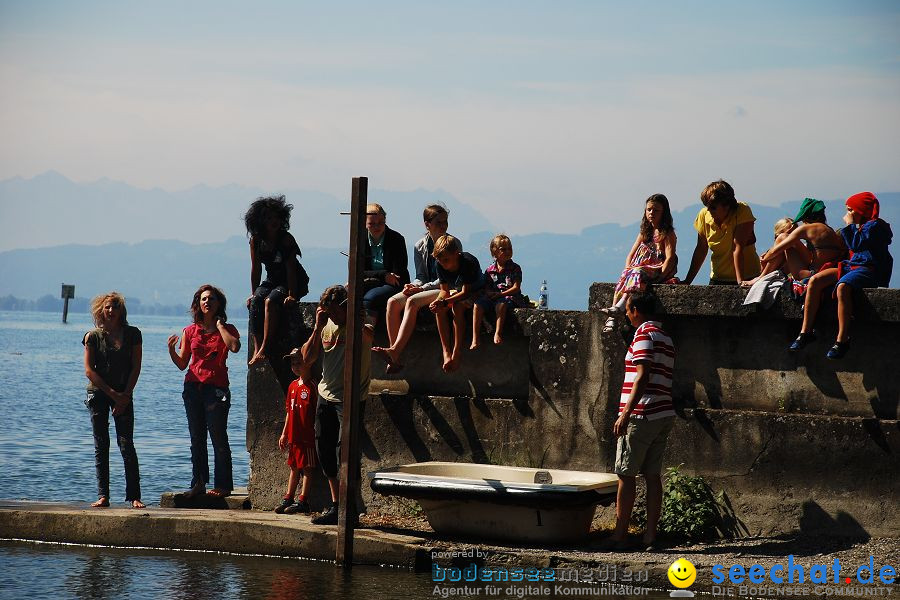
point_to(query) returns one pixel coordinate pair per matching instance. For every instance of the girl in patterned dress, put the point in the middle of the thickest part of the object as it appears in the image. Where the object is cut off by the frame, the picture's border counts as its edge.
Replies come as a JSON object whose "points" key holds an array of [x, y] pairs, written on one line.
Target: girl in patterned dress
{"points": [[652, 258]]}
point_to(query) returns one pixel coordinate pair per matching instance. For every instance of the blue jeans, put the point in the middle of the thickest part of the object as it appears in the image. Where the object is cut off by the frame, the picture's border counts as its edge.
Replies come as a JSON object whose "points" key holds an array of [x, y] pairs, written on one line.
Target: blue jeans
{"points": [[207, 410], [375, 299], [99, 405]]}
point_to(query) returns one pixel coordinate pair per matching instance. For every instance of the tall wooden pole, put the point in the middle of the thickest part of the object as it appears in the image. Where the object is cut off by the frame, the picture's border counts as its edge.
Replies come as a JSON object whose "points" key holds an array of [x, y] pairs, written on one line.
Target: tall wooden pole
{"points": [[349, 475]]}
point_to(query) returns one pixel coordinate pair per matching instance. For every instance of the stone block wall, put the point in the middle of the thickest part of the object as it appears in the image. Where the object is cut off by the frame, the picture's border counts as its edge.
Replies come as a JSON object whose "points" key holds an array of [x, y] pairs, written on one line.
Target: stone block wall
{"points": [[797, 442]]}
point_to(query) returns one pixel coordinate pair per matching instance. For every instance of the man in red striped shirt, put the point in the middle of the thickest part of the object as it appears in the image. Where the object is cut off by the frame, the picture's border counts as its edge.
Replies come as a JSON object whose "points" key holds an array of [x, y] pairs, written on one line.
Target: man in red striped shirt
{"points": [[646, 416]]}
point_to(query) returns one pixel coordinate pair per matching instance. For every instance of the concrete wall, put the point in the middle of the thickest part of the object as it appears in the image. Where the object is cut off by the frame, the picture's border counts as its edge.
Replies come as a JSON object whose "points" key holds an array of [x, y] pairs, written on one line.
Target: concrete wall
{"points": [[797, 442]]}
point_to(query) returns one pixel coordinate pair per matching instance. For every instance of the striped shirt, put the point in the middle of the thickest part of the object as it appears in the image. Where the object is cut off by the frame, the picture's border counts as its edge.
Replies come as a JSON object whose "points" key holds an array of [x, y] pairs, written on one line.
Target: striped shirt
{"points": [[652, 347]]}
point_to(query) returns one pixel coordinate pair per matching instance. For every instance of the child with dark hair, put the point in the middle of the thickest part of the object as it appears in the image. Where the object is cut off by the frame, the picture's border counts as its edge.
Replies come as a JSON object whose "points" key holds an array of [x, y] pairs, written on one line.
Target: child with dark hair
{"points": [[646, 416], [870, 263], [298, 437], [267, 221], [652, 258], [328, 339]]}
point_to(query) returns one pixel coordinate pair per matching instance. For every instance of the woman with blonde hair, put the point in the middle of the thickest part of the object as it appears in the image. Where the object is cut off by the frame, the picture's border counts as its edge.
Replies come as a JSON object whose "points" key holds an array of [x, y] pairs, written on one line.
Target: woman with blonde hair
{"points": [[112, 364]]}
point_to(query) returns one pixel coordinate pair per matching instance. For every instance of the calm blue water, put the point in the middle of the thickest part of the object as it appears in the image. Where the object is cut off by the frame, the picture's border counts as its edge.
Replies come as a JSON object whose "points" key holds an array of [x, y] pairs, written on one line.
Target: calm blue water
{"points": [[52, 571], [46, 453], [46, 448]]}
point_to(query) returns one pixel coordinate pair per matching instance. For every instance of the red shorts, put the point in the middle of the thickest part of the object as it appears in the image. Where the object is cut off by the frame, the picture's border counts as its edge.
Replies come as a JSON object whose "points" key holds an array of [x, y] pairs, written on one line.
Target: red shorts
{"points": [[301, 456]]}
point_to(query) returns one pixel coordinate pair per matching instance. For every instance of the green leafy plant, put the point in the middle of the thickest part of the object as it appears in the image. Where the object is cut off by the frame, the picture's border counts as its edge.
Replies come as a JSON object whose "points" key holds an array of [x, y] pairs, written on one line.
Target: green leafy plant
{"points": [[693, 511]]}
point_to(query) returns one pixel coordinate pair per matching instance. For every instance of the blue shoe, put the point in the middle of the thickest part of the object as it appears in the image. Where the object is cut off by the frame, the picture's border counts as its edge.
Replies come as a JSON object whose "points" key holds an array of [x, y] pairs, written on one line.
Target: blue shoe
{"points": [[838, 351], [803, 340]]}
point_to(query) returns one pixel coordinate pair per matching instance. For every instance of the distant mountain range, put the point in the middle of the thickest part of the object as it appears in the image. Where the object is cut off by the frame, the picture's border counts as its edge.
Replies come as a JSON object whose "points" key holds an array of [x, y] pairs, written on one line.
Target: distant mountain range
{"points": [[50, 210], [167, 272]]}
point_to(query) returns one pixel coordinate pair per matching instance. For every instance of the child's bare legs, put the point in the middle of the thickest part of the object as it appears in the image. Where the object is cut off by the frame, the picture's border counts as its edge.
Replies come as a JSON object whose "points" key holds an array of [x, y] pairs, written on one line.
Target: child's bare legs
{"points": [[304, 487], [443, 326], [619, 299], [269, 324], [797, 260], [333, 486], [394, 316], [293, 480], [818, 283], [624, 506], [654, 505], [459, 334], [844, 311], [407, 326], [477, 316], [501, 308]]}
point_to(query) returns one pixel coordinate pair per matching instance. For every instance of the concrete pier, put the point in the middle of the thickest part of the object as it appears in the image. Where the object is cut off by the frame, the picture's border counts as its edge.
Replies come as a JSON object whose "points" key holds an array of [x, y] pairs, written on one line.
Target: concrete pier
{"points": [[254, 532]]}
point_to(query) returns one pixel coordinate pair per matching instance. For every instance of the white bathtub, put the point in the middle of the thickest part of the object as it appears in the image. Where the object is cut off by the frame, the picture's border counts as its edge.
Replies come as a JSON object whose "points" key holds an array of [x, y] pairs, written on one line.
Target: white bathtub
{"points": [[505, 503]]}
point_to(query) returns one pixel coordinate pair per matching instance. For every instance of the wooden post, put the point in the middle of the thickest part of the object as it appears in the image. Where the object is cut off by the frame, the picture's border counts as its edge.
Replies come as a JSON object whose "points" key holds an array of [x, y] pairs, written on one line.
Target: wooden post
{"points": [[68, 291], [349, 474]]}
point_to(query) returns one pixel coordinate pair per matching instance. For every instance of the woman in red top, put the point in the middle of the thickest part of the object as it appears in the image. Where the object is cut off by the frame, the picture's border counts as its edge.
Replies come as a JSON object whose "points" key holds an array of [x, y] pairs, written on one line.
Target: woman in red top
{"points": [[205, 345]]}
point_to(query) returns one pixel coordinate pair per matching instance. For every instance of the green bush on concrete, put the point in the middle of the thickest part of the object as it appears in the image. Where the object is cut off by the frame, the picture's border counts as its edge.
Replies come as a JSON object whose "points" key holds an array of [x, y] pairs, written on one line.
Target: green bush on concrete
{"points": [[692, 511]]}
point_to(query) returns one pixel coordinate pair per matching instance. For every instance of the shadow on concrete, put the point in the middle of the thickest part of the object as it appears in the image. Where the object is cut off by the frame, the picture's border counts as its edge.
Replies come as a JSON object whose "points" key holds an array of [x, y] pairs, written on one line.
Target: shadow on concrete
{"points": [[464, 410], [819, 533], [366, 445], [873, 428], [705, 423], [541, 391], [816, 520], [887, 401], [400, 411], [705, 351], [440, 423]]}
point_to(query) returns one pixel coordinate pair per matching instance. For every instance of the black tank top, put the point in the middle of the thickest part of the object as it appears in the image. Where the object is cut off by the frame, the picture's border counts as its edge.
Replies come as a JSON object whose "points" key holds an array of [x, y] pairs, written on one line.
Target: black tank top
{"points": [[274, 259]]}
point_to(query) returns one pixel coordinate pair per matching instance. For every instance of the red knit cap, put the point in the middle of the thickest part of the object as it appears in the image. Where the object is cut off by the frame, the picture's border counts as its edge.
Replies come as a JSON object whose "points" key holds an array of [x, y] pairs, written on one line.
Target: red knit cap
{"points": [[865, 203]]}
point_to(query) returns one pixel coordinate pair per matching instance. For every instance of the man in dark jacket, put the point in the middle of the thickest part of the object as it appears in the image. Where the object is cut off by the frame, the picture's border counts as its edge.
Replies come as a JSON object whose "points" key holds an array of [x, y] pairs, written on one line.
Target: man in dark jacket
{"points": [[386, 270]]}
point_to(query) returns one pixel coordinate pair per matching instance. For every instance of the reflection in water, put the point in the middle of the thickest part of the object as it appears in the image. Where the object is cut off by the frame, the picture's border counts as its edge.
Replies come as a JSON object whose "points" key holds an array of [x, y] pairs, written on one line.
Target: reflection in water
{"points": [[99, 578], [57, 571], [62, 571]]}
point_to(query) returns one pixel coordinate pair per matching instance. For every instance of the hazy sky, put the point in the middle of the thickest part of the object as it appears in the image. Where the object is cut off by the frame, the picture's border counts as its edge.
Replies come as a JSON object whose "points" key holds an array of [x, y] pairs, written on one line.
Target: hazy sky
{"points": [[544, 116]]}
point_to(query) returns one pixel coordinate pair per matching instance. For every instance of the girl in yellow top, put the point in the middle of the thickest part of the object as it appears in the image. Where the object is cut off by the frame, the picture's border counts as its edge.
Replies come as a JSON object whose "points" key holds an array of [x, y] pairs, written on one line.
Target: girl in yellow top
{"points": [[724, 226]]}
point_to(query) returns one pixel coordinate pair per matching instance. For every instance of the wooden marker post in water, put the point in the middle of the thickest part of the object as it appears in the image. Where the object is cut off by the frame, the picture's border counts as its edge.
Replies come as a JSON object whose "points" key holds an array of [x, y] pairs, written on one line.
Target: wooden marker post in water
{"points": [[68, 291], [349, 474]]}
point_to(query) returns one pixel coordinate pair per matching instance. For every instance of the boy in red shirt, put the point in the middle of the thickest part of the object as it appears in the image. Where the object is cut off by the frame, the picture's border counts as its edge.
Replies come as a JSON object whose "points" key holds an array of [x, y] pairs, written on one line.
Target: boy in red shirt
{"points": [[298, 436]]}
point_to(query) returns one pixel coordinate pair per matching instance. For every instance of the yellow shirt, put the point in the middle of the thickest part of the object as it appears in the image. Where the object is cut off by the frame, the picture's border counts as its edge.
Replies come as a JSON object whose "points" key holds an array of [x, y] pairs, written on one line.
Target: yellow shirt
{"points": [[721, 243]]}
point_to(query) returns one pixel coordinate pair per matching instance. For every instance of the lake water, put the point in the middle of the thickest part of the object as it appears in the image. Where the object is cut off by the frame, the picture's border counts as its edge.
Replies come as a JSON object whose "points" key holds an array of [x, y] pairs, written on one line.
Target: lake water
{"points": [[46, 453], [46, 448]]}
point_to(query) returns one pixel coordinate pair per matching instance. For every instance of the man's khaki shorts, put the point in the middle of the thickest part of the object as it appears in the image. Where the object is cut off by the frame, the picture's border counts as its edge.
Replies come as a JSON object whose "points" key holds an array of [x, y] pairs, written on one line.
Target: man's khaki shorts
{"points": [[640, 450]]}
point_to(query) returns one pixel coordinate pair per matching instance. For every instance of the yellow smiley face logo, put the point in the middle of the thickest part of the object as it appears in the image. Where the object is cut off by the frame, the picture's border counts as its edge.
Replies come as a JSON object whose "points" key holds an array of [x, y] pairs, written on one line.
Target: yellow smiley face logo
{"points": [[682, 573]]}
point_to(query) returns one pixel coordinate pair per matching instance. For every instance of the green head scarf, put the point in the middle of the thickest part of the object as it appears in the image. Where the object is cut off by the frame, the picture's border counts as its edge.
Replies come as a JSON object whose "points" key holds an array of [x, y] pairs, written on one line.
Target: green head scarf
{"points": [[810, 206]]}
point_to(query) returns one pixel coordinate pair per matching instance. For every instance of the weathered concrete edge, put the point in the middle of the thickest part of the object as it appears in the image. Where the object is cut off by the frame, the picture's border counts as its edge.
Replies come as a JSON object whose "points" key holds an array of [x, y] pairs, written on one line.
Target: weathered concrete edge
{"points": [[210, 530], [256, 533]]}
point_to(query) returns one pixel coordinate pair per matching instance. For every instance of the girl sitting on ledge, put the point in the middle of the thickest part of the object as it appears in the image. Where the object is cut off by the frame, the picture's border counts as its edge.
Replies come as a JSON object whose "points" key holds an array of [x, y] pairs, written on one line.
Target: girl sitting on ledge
{"points": [[652, 258]]}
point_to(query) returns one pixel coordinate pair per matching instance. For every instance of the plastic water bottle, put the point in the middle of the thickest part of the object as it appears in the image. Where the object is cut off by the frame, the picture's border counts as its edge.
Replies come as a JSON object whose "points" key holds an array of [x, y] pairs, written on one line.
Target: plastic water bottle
{"points": [[544, 297]]}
